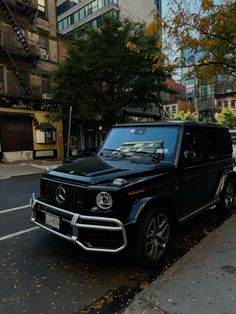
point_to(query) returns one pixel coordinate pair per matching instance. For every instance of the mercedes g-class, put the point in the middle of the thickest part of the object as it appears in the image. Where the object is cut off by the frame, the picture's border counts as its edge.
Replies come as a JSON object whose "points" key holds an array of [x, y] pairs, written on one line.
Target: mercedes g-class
{"points": [[144, 178]]}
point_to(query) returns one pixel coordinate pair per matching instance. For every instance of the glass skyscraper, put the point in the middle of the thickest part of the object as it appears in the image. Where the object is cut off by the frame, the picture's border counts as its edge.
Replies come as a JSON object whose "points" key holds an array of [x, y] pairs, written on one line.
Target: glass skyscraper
{"points": [[74, 14]]}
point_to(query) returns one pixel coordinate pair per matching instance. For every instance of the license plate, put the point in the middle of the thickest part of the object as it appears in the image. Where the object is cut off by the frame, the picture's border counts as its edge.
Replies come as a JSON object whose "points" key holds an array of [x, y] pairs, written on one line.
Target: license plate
{"points": [[52, 221]]}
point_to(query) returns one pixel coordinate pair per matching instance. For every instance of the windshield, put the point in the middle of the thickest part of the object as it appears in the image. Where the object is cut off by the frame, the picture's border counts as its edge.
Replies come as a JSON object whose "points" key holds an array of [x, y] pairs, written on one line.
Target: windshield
{"points": [[149, 141]]}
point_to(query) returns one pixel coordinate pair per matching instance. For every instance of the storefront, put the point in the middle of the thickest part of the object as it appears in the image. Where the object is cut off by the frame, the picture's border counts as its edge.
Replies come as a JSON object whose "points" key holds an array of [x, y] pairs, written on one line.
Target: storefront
{"points": [[26, 134]]}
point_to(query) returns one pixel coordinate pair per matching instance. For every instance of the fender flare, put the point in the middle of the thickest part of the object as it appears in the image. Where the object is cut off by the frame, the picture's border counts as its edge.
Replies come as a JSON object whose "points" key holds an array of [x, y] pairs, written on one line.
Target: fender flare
{"points": [[141, 204], [227, 175]]}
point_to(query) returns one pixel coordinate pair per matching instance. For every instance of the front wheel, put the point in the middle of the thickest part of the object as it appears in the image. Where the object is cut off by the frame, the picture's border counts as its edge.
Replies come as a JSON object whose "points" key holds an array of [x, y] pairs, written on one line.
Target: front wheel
{"points": [[153, 237]]}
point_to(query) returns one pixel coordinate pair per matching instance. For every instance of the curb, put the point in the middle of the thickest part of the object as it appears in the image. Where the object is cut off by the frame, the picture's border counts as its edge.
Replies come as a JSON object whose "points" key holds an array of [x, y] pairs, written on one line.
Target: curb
{"points": [[8, 171], [4, 178]]}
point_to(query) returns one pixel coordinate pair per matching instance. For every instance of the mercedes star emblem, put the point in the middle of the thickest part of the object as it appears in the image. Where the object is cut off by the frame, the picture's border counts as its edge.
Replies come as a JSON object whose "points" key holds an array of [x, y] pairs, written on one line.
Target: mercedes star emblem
{"points": [[60, 194]]}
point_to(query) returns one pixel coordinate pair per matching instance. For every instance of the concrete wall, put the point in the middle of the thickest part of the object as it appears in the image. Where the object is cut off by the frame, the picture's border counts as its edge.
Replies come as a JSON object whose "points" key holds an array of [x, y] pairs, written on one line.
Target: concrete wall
{"points": [[18, 156], [138, 10]]}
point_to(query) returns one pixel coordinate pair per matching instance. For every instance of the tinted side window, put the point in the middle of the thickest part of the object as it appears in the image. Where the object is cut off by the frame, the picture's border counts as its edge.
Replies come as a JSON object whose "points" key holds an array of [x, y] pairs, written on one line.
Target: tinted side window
{"points": [[192, 141], [226, 142], [213, 143]]}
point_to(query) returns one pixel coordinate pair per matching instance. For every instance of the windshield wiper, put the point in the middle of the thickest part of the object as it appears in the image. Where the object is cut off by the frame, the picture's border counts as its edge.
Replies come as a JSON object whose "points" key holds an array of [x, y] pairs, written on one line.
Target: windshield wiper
{"points": [[116, 151]]}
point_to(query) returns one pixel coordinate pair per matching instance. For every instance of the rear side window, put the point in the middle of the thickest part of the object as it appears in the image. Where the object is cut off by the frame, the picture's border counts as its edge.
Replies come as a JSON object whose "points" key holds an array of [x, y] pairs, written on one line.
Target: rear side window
{"points": [[213, 144], [226, 142]]}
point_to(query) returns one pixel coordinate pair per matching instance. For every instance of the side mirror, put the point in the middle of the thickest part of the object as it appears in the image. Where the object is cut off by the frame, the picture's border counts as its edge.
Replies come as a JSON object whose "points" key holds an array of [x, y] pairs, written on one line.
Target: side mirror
{"points": [[189, 155]]}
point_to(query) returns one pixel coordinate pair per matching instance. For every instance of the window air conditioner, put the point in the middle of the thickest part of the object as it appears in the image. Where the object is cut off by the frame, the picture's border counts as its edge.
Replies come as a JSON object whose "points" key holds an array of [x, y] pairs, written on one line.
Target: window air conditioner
{"points": [[47, 96], [44, 56]]}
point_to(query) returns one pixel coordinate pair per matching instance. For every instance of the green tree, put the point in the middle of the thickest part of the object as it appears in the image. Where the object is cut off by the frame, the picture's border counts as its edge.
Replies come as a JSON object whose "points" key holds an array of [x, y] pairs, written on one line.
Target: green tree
{"points": [[108, 69], [207, 26], [227, 118]]}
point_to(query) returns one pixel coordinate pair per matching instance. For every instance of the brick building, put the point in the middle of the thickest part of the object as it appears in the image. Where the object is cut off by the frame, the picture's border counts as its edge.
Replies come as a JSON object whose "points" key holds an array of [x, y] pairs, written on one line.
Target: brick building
{"points": [[175, 102], [28, 54], [226, 100]]}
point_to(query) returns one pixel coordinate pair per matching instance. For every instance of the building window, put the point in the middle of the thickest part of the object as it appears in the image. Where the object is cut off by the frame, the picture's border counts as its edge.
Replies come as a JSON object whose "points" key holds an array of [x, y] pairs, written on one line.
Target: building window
{"points": [[60, 25], [83, 12], [2, 80], [65, 6], [18, 42], [42, 9], [46, 84], [174, 109], [232, 103], [219, 104], [226, 104], [43, 46], [25, 78]]}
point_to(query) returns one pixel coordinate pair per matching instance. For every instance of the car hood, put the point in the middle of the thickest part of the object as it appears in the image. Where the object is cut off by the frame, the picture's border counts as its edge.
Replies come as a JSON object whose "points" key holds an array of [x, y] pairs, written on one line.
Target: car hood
{"points": [[98, 169]]}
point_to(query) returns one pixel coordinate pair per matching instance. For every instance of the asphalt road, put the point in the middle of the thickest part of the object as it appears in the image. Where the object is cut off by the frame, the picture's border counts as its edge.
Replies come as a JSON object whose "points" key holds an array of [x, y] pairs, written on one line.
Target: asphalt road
{"points": [[41, 273]]}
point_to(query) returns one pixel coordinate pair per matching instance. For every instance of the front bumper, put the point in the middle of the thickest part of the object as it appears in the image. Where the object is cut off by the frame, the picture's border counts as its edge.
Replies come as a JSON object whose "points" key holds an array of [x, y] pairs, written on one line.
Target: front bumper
{"points": [[97, 234]]}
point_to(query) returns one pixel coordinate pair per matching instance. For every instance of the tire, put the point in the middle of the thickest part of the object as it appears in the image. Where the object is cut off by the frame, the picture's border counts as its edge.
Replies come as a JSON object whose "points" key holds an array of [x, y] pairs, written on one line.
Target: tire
{"points": [[227, 198], [153, 237]]}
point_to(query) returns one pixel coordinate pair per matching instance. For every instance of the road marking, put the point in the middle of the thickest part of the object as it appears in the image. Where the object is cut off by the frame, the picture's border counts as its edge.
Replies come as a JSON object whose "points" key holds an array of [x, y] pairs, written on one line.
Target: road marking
{"points": [[9, 236], [13, 209]]}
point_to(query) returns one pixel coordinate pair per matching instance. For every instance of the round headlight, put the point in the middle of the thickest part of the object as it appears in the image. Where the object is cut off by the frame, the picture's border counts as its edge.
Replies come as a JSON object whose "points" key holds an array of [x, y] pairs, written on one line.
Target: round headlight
{"points": [[104, 200]]}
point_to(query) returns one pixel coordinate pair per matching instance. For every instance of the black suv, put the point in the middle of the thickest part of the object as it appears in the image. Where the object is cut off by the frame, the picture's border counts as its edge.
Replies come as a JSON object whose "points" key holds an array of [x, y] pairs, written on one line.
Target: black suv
{"points": [[144, 178]]}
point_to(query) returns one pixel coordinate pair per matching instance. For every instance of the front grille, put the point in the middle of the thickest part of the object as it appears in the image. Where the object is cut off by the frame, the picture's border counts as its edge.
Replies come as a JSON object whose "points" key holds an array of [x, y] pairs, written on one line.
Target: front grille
{"points": [[76, 197]]}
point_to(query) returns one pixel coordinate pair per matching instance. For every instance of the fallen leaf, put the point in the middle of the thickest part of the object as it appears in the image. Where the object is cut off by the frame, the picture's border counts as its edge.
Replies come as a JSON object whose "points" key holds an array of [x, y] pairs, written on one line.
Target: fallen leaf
{"points": [[144, 284], [109, 297], [205, 232], [133, 276]]}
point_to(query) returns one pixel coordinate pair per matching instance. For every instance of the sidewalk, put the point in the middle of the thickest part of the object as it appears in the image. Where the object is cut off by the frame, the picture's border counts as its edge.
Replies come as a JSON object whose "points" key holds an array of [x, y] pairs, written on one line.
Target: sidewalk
{"points": [[201, 282], [8, 170]]}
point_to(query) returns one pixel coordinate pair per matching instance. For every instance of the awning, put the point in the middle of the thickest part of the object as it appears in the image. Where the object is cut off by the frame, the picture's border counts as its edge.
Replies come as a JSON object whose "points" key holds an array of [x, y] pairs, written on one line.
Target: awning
{"points": [[45, 126], [17, 115]]}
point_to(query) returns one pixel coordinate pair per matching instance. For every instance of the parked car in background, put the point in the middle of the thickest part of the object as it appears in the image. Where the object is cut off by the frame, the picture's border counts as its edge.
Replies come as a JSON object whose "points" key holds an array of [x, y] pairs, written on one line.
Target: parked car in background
{"points": [[145, 178], [233, 139]]}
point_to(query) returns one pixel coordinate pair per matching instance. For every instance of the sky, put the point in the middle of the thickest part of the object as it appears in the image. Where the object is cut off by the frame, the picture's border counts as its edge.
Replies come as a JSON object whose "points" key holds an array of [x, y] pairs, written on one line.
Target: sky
{"points": [[164, 7], [176, 76]]}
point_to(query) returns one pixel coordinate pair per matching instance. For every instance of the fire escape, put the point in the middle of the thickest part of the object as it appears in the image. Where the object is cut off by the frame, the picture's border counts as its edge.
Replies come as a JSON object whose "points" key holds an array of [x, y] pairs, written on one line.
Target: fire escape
{"points": [[28, 8]]}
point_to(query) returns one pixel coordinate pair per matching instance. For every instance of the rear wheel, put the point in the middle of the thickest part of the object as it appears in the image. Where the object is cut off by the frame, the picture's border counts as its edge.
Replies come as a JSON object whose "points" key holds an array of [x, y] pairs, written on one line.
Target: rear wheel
{"points": [[153, 237], [227, 197]]}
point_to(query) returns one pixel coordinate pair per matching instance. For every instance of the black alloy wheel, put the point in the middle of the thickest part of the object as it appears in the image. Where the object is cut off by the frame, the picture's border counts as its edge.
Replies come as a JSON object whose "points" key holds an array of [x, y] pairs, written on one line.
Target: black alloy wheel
{"points": [[227, 198], [153, 237], [226, 202]]}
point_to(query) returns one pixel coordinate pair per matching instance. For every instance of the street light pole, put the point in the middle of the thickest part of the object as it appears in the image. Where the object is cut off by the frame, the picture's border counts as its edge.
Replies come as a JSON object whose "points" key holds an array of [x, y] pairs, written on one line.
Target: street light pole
{"points": [[68, 140]]}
